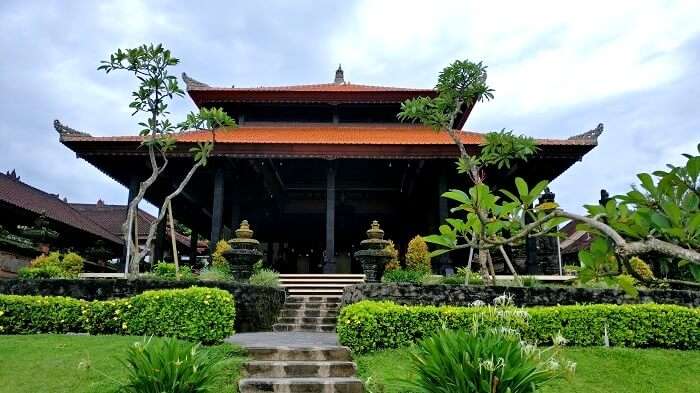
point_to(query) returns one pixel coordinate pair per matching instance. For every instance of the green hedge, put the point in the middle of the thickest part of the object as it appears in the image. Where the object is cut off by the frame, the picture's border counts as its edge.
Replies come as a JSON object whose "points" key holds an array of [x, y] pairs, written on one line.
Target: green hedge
{"points": [[196, 314], [368, 325]]}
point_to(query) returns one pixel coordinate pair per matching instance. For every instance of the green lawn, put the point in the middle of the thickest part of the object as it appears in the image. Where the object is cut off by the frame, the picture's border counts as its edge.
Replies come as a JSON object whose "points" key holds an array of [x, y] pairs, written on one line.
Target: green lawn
{"points": [[599, 370], [76, 364]]}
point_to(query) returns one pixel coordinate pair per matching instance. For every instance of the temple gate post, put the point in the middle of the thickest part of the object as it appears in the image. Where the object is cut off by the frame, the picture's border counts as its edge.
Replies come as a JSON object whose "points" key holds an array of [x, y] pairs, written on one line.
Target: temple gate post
{"points": [[217, 209], [329, 262]]}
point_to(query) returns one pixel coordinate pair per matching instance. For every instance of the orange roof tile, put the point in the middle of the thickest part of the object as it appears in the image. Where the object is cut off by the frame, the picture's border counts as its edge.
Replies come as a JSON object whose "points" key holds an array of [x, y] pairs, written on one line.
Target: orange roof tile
{"points": [[334, 87], [328, 134]]}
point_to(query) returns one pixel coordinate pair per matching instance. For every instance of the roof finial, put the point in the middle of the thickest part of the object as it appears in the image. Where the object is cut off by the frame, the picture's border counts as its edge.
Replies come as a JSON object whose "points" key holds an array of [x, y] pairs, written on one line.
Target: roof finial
{"points": [[65, 130], [591, 135], [339, 78], [191, 83]]}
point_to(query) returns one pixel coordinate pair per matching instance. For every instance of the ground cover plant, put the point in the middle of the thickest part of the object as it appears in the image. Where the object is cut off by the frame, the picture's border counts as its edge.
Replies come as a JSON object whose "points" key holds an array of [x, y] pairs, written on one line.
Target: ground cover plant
{"points": [[598, 370], [198, 314], [86, 364]]}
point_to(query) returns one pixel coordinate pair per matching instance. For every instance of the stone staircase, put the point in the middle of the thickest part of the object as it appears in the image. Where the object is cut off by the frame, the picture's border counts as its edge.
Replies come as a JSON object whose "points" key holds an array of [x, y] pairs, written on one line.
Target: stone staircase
{"points": [[300, 370], [308, 314], [318, 284]]}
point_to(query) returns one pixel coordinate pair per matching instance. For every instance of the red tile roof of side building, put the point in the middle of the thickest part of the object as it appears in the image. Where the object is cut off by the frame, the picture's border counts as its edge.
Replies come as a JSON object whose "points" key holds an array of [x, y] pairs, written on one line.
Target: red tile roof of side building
{"points": [[23, 196]]}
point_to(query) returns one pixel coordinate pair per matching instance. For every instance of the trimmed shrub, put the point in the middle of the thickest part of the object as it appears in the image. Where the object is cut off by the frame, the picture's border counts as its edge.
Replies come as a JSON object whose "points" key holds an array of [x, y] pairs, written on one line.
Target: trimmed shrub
{"points": [[402, 275], [393, 254], [217, 257], [167, 271], [418, 256], [195, 314], [40, 314], [211, 273], [265, 278], [54, 265], [48, 271], [368, 326]]}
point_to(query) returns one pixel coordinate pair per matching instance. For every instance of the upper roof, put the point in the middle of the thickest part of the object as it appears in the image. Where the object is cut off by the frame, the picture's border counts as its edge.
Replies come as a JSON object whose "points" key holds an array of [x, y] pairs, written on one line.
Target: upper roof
{"points": [[19, 194]]}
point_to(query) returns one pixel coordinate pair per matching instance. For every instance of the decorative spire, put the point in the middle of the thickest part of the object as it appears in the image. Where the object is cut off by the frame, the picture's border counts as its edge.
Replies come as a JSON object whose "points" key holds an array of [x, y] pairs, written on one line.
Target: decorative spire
{"points": [[65, 130], [12, 175], [191, 83], [339, 77], [589, 135]]}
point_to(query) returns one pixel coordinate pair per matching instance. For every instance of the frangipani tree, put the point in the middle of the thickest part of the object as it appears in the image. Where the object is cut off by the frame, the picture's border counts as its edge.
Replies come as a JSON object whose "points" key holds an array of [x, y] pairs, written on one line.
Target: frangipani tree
{"points": [[661, 218], [150, 64]]}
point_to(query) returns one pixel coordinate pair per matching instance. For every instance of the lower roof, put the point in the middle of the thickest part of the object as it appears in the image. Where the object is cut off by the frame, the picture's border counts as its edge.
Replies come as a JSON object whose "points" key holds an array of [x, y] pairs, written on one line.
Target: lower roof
{"points": [[320, 140]]}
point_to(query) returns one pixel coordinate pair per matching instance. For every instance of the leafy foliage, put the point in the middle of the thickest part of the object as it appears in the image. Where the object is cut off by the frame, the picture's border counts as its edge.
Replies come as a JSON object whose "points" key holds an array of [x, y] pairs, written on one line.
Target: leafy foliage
{"points": [[265, 278], [482, 362], [393, 257], [54, 265], [167, 271], [39, 314], [369, 326], [157, 365], [403, 275], [217, 257], [418, 256], [211, 273]]}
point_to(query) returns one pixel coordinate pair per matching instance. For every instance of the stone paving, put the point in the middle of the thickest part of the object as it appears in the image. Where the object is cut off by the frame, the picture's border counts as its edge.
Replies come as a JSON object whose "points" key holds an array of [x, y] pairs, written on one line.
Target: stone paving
{"points": [[284, 339]]}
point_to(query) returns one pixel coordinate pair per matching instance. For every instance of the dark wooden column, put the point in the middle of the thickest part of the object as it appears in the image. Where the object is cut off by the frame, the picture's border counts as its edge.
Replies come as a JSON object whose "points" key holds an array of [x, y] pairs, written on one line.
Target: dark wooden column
{"points": [[194, 240], [530, 251], [217, 209], [329, 265], [133, 190], [235, 210], [443, 213]]}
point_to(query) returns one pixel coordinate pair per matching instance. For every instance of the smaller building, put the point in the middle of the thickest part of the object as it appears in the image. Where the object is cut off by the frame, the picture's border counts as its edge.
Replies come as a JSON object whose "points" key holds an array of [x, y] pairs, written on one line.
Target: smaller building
{"points": [[91, 230]]}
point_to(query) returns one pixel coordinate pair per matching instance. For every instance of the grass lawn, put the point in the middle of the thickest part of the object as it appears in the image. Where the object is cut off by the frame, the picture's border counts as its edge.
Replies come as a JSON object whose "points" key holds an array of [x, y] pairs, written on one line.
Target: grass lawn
{"points": [[598, 370], [77, 364]]}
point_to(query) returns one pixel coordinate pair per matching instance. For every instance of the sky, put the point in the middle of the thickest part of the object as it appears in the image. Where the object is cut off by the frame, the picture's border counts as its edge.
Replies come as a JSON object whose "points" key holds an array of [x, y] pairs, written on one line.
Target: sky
{"points": [[558, 68]]}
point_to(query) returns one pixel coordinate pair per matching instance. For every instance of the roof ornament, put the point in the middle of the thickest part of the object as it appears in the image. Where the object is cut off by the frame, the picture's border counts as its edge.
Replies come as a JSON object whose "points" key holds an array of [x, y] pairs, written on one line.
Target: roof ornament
{"points": [[589, 135], [12, 175], [191, 83], [339, 77], [65, 130]]}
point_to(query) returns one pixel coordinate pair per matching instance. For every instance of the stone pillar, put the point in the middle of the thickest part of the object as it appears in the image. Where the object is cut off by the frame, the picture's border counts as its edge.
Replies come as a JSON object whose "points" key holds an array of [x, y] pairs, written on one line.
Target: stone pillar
{"points": [[329, 263], [133, 190], [217, 209]]}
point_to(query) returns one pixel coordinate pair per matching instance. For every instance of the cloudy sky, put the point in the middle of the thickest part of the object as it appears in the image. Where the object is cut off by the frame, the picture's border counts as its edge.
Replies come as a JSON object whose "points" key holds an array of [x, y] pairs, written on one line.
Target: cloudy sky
{"points": [[558, 70]]}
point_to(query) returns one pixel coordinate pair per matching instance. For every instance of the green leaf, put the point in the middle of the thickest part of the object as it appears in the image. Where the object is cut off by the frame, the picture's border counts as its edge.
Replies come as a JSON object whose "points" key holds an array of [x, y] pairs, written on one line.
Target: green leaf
{"points": [[660, 221], [522, 188], [457, 195]]}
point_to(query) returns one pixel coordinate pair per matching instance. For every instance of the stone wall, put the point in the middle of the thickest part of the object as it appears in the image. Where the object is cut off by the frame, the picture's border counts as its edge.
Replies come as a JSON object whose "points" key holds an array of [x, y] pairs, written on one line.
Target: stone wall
{"points": [[459, 295], [256, 307]]}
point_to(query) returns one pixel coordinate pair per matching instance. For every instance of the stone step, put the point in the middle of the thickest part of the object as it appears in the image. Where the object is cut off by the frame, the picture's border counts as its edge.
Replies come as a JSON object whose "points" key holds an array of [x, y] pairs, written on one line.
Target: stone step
{"points": [[276, 353], [305, 313], [315, 290], [299, 369], [307, 320], [281, 327], [313, 299], [300, 385], [311, 306], [321, 276]]}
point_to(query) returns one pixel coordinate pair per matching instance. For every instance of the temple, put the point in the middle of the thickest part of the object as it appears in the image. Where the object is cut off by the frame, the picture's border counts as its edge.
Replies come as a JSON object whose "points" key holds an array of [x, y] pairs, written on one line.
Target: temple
{"points": [[311, 166]]}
